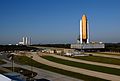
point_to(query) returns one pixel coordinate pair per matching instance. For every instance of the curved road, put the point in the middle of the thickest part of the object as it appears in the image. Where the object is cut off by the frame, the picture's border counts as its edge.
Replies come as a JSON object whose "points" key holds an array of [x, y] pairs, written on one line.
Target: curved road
{"points": [[42, 73], [87, 62], [77, 70]]}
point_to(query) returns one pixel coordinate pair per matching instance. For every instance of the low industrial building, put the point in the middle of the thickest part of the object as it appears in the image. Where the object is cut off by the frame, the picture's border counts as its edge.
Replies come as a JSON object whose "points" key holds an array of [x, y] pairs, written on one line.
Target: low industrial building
{"points": [[88, 46]]}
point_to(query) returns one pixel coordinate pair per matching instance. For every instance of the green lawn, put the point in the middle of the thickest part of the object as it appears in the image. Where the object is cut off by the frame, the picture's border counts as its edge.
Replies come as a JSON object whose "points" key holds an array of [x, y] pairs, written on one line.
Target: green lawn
{"points": [[83, 65], [107, 53], [100, 59], [28, 61]]}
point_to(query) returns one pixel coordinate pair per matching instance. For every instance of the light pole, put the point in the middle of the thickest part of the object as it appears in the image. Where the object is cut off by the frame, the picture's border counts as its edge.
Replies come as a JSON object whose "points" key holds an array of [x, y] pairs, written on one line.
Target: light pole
{"points": [[31, 67], [12, 62]]}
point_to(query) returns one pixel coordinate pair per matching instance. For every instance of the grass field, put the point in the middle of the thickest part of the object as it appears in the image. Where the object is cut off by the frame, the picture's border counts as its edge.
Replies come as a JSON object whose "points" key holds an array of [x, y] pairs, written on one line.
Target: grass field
{"points": [[83, 65], [115, 54], [28, 61], [100, 59]]}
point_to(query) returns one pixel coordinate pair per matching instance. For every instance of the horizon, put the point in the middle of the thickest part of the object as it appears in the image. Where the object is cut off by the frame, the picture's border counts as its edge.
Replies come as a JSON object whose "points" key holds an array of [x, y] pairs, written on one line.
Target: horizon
{"points": [[57, 21]]}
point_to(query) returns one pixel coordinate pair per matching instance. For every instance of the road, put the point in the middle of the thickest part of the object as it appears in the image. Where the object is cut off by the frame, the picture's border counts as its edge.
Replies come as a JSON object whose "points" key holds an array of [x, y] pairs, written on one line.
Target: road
{"points": [[87, 62], [42, 73], [77, 70]]}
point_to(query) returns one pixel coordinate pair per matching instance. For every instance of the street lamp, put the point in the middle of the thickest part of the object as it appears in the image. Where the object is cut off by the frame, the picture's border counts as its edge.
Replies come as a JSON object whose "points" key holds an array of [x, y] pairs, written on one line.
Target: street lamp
{"points": [[31, 67], [12, 57]]}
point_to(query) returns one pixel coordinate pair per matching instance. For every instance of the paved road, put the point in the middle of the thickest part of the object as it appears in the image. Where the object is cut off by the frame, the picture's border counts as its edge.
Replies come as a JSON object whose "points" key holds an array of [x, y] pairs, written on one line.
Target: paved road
{"points": [[77, 70], [43, 73], [4, 69], [40, 72], [87, 62]]}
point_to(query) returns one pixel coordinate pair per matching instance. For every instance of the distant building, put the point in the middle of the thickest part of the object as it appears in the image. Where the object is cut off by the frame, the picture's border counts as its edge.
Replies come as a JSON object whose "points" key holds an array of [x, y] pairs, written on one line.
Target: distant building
{"points": [[25, 41], [9, 44]]}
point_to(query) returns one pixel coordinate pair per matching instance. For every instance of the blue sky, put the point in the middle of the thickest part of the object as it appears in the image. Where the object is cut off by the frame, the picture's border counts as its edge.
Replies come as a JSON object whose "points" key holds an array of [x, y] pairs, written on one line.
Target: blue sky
{"points": [[57, 21]]}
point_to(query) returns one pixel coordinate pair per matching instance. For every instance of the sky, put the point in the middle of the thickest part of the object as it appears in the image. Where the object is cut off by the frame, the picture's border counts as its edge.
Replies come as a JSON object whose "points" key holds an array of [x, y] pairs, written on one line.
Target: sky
{"points": [[57, 21]]}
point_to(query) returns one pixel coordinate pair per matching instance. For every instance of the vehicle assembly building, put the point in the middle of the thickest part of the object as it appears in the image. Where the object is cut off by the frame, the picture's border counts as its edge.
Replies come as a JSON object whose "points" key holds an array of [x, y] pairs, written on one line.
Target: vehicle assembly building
{"points": [[83, 41], [25, 41]]}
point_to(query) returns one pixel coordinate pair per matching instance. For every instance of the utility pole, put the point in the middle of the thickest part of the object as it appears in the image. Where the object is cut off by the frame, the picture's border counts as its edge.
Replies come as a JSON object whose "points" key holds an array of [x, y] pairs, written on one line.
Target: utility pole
{"points": [[12, 62], [31, 67]]}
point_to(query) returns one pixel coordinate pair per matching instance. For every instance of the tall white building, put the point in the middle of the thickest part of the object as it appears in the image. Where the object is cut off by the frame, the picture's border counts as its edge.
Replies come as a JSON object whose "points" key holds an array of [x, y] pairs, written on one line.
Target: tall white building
{"points": [[25, 41]]}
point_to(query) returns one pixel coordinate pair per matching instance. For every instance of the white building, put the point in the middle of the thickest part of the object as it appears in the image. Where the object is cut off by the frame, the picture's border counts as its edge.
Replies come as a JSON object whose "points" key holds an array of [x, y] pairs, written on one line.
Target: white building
{"points": [[25, 41]]}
